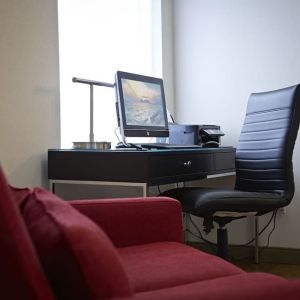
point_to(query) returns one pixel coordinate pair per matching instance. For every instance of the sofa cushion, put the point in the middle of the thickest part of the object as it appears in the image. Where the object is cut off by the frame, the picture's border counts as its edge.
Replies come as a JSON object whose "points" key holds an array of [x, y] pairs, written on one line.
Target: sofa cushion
{"points": [[78, 258], [245, 286], [166, 264]]}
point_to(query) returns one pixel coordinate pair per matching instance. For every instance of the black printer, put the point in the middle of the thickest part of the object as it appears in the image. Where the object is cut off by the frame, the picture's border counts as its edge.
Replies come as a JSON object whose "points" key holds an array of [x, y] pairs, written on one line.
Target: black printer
{"points": [[203, 135]]}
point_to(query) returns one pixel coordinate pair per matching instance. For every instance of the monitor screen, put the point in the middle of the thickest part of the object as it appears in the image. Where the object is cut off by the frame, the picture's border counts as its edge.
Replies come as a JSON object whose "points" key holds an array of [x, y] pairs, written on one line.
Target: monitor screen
{"points": [[141, 105]]}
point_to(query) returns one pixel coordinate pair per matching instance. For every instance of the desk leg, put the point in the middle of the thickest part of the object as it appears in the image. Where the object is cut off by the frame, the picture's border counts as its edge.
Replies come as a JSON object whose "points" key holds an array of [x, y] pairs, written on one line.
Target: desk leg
{"points": [[51, 186], [145, 190], [256, 247]]}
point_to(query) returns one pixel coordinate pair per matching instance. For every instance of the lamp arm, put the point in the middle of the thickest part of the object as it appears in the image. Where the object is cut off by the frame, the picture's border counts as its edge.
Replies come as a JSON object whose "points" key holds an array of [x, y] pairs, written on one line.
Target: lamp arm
{"points": [[92, 83]]}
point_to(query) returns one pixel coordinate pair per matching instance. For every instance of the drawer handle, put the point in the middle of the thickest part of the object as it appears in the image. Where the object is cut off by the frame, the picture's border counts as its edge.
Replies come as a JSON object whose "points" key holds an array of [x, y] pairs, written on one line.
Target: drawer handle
{"points": [[187, 163]]}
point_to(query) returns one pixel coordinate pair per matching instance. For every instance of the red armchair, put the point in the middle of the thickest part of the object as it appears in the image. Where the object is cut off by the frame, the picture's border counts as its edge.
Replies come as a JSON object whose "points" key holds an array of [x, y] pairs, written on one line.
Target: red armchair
{"points": [[113, 249]]}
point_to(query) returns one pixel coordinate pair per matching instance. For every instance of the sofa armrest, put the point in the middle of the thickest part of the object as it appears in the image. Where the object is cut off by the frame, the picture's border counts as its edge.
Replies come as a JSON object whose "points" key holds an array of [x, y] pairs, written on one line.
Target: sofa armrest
{"points": [[134, 221]]}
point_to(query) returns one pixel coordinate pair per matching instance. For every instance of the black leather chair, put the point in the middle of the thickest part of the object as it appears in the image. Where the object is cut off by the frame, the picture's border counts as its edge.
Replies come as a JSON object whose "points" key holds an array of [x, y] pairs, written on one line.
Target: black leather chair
{"points": [[264, 168]]}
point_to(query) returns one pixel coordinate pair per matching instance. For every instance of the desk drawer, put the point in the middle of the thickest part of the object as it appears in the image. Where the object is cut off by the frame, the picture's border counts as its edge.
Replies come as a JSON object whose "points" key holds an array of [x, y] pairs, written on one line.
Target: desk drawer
{"points": [[180, 165], [225, 161], [152, 167]]}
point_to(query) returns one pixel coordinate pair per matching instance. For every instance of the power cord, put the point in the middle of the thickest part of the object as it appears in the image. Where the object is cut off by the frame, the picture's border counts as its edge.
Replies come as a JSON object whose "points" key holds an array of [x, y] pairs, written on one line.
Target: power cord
{"points": [[273, 217], [200, 236], [263, 229], [274, 226], [115, 132], [158, 188]]}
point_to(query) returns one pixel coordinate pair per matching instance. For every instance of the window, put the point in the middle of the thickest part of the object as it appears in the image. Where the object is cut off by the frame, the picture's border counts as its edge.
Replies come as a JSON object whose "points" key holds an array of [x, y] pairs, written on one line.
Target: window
{"points": [[97, 38]]}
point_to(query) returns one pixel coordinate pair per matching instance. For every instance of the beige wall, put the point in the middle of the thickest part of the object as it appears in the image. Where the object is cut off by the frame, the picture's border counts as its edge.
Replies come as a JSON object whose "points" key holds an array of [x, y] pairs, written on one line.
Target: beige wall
{"points": [[29, 88]]}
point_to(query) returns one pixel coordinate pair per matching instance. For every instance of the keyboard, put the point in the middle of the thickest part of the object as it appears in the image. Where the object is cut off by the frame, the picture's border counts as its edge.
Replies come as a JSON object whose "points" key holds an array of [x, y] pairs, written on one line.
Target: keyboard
{"points": [[167, 146]]}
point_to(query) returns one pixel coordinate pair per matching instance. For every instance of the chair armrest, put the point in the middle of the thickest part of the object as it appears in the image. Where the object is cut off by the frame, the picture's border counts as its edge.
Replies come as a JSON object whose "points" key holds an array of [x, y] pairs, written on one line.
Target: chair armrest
{"points": [[135, 221]]}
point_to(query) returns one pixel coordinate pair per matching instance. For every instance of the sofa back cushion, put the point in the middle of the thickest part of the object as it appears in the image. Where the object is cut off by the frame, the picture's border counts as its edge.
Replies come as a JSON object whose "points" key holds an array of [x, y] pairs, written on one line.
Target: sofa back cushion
{"points": [[21, 275], [77, 256]]}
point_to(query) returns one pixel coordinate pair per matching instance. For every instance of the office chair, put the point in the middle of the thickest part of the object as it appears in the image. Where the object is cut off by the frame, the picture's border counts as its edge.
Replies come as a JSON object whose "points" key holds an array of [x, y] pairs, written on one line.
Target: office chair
{"points": [[264, 169]]}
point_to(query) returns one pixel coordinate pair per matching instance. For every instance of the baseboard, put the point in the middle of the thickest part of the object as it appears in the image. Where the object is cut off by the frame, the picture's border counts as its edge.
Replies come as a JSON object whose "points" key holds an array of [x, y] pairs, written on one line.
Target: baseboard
{"points": [[267, 255]]}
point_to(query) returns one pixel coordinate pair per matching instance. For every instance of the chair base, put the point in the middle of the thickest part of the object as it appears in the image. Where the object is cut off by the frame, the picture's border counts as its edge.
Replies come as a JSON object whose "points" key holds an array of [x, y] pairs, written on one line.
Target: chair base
{"points": [[222, 238]]}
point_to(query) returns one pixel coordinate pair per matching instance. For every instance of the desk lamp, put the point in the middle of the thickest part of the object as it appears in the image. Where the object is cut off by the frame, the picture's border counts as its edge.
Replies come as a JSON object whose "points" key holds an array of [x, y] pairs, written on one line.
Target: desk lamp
{"points": [[92, 144]]}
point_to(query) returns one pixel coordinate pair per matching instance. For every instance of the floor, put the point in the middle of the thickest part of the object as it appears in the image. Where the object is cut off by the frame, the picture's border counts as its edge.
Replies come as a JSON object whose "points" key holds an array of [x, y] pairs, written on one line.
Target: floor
{"points": [[284, 270]]}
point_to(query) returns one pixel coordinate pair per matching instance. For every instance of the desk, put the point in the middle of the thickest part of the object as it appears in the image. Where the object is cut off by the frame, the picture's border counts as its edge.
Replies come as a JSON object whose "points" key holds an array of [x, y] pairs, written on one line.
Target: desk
{"points": [[137, 168]]}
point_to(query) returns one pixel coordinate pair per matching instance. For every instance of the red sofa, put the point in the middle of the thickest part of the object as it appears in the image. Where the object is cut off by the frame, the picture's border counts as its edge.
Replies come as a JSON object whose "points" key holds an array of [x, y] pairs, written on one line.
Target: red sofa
{"points": [[113, 249]]}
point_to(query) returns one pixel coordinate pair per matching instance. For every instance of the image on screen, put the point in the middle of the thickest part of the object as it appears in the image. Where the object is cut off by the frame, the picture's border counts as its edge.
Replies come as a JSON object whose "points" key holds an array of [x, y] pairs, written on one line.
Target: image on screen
{"points": [[143, 103]]}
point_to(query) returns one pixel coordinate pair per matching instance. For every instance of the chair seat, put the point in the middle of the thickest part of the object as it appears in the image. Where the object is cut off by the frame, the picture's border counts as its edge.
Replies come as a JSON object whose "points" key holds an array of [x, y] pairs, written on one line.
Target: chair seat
{"points": [[206, 201]]}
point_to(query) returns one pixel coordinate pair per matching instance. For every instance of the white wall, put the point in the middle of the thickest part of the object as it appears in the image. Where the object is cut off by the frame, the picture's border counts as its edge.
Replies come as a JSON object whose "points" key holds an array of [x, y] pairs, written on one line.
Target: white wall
{"points": [[167, 53], [224, 50], [29, 89]]}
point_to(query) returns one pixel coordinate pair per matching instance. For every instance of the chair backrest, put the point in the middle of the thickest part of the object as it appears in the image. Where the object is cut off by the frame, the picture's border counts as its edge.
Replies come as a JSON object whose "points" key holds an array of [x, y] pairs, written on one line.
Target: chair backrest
{"points": [[21, 275], [265, 148]]}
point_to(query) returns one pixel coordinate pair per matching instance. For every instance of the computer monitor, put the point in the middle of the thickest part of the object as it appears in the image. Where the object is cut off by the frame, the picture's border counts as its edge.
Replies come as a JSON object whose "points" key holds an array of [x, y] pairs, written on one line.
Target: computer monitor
{"points": [[141, 105]]}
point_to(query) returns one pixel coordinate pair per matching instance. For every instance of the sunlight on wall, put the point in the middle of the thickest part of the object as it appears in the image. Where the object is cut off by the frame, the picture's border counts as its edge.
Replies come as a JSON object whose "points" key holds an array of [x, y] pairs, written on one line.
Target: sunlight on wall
{"points": [[97, 38]]}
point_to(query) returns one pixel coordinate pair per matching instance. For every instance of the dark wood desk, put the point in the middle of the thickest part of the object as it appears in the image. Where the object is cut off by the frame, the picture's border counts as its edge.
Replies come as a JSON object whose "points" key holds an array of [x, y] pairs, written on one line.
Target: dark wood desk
{"points": [[137, 168]]}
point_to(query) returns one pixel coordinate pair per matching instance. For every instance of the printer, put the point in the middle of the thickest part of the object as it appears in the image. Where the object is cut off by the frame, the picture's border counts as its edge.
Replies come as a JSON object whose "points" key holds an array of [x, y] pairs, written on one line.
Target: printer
{"points": [[203, 135]]}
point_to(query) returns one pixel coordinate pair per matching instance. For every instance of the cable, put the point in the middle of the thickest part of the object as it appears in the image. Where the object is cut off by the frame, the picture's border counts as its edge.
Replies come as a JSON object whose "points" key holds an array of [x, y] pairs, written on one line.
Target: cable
{"points": [[158, 188], [172, 118], [199, 232], [273, 217], [264, 228], [274, 226], [115, 131]]}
